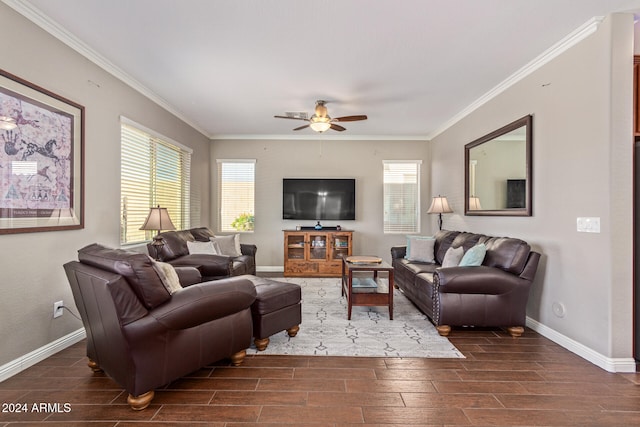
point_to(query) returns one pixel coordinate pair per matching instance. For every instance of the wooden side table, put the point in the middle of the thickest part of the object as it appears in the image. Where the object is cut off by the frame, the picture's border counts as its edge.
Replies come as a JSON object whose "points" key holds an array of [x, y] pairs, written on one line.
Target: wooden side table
{"points": [[367, 289]]}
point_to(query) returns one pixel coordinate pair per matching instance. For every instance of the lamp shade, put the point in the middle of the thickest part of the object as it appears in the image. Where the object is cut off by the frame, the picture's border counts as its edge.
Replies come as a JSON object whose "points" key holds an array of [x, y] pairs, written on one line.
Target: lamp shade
{"points": [[474, 203], [439, 205], [158, 219]]}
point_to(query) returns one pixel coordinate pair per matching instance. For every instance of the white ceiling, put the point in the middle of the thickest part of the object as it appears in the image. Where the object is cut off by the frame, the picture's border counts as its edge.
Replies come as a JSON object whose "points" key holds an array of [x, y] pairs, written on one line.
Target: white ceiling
{"points": [[228, 66]]}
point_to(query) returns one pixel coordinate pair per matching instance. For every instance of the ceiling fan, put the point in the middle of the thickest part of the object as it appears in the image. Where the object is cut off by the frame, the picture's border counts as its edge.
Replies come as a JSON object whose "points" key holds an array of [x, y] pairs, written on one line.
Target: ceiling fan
{"points": [[320, 121]]}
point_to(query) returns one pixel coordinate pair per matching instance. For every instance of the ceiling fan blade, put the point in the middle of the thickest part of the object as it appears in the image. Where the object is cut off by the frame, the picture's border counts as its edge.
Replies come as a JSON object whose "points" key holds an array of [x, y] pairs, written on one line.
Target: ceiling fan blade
{"points": [[302, 127], [337, 127], [292, 118], [350, 118]]}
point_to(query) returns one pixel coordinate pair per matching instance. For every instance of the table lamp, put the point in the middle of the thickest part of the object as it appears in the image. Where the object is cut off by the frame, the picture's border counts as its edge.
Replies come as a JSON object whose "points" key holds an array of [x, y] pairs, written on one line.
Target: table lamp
{"points": [[439, 205], [158, 219]]}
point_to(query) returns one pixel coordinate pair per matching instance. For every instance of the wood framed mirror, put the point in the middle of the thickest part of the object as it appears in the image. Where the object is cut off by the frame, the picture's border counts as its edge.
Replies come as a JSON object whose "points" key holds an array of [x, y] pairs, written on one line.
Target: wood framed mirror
{"points": [[498, 171]]}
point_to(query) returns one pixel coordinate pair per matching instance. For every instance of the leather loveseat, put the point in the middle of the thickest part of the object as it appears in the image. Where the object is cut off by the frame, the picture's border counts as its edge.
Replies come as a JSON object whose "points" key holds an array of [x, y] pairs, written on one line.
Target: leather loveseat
{"points": [[212, 267], [143, 336], [493, 294]]}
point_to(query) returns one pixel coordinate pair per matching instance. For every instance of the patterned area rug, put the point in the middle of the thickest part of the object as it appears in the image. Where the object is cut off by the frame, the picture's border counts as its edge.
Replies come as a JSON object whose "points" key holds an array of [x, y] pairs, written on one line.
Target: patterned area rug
{"points": [[325, 330]]}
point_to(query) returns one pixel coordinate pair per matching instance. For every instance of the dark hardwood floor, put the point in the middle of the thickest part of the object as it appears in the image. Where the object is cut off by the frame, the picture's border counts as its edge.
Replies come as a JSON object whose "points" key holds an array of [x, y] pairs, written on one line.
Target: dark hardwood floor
{"points": [[503, 381]]}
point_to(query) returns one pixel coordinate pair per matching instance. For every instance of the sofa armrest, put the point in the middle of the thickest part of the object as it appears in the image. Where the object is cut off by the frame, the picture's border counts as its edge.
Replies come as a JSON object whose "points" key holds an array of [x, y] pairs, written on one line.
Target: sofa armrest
{"points": [[398, 252], [204, 302], [188, 275], [248, 249], [529, 271], [477, 280]]}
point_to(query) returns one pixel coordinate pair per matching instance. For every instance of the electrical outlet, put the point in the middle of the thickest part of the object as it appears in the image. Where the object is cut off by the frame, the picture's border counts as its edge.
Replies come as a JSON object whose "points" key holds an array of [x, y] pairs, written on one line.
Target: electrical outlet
{"points": [[58, 309]]}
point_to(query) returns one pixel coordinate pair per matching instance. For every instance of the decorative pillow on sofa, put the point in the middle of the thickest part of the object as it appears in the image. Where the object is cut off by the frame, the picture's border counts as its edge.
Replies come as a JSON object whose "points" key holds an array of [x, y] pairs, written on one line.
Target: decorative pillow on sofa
{"points": [[229, 245], [420, 248], [168, 276], [206, 248], [474, 256], [452, 257]]}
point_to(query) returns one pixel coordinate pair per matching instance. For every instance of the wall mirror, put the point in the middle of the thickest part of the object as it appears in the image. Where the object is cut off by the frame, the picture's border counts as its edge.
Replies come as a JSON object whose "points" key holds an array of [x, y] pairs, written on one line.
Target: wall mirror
{"points": [[498, 171]]}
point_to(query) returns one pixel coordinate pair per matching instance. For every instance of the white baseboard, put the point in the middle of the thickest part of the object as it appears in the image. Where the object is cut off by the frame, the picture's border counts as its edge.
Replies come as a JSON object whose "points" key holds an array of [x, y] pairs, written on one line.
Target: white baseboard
{"points": [[270, 268], [20, 364], [607, 363]]}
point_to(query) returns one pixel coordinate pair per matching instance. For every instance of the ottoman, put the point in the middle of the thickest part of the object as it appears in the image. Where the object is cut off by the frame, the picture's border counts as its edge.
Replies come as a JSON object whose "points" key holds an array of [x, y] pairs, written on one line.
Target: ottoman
{"points": [[277, 308]]}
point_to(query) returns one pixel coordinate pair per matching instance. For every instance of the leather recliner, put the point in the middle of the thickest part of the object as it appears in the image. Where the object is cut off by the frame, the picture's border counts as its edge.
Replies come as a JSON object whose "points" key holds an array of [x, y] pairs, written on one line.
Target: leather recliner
{"points": [[142, 336]]}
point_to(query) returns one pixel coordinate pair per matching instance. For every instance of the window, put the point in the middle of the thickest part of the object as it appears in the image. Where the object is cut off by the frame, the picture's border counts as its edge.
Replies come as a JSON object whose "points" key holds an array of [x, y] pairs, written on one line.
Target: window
{"points": [[153, 171], [236, 189], [401, 196]]}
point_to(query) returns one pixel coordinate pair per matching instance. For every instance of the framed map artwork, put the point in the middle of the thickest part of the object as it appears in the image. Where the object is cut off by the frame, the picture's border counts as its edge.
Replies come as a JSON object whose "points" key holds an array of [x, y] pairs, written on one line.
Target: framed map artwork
{"points": [[41, 160]]}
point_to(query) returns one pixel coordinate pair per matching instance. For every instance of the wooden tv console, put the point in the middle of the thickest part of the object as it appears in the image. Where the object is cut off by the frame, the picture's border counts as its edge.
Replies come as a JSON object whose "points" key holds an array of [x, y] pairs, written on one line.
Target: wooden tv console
{"points": [[316, 253]]}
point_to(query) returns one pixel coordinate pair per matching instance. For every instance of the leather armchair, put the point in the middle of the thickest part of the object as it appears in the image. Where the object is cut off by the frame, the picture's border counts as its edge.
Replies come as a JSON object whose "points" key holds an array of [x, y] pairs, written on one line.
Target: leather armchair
{"points": [[144, 337]]}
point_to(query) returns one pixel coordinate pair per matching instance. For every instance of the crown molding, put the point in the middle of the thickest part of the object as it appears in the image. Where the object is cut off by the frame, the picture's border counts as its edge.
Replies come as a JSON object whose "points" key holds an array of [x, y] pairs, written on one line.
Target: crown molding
{"points": [[34, 14], [579, 34], [322, 137]]}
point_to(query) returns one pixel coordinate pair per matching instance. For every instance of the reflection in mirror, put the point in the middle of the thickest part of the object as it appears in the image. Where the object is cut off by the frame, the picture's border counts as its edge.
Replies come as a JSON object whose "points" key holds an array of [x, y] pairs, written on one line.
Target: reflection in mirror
{"points": [[498, 171]]}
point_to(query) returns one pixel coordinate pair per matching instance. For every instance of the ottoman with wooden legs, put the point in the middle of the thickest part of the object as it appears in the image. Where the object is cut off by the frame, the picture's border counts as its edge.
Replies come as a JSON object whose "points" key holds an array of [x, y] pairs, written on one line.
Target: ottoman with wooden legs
{"points": [[277, 308]]}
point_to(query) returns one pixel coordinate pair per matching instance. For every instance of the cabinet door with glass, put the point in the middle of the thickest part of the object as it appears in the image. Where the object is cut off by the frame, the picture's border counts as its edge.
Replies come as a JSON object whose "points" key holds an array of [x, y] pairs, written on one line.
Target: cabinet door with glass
{"points": [[340, 245], [295, 246], [318, 246]]}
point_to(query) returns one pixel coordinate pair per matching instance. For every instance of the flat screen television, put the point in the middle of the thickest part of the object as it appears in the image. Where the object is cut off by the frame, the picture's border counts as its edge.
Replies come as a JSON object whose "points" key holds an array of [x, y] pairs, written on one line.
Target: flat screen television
{"points": [[319, 199]]}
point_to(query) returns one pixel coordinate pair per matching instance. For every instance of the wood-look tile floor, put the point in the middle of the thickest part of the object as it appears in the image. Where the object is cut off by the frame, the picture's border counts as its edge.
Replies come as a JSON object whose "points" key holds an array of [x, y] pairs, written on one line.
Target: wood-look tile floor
{"points": [[529, 381]]}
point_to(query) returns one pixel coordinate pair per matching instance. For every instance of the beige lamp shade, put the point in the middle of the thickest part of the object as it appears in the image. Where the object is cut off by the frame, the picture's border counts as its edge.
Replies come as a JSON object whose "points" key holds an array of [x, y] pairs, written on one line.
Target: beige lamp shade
{"points": [[439, 205], [474, 203], [158, 219]]}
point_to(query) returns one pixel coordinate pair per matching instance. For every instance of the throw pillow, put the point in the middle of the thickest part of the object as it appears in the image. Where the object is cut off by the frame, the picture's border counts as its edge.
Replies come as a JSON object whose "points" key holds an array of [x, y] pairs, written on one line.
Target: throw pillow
{"points": [[168, 276], [420, 248], [229, 245], [206, 248], [452, 257], [474, 256]]}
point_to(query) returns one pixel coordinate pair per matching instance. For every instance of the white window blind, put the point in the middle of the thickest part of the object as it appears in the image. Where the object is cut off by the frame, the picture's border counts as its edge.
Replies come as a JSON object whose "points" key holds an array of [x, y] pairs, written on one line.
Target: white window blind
{"points": [[401, 196], [236, 189], [153, 172]]}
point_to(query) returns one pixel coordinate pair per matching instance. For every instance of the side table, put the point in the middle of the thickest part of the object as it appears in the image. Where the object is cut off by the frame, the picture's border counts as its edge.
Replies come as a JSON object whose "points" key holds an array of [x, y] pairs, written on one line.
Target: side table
{"points": [[367, 290]]}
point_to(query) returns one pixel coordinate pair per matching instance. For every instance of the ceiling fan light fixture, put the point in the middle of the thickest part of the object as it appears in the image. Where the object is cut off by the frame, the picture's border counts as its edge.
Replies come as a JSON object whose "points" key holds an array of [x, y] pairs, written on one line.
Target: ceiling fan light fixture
{"points": [[7, 123], [320, 124]]}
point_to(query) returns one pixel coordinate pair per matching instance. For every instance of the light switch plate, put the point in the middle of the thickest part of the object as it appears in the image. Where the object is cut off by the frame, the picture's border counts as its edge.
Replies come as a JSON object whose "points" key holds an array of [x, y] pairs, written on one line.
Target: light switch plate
{"points": [[588, 224]]}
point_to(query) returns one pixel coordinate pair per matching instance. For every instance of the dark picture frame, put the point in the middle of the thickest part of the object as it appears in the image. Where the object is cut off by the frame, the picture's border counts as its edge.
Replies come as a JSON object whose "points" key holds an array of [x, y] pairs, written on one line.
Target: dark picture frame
{"points": [[42, 159]]}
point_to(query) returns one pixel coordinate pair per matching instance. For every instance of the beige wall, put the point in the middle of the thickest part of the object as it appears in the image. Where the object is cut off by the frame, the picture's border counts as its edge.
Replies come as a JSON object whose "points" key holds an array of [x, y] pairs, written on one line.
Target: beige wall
{"points": [[581, 103], [321, 158], [582, 166], [31, 274]]}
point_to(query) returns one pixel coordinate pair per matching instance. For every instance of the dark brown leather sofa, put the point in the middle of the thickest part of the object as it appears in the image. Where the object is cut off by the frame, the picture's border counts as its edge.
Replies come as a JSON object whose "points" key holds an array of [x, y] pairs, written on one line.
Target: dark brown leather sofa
{"points": [[142, 336], [212, 267], [491, 295]]}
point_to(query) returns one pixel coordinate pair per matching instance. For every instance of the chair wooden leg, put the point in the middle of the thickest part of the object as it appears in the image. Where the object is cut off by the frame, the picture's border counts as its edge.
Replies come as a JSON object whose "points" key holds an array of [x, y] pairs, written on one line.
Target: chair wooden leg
{"points": [[515, 331], [94, 366], [238, 358], [138, 403], [443, 330], [261, 343], [293, 331]]}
